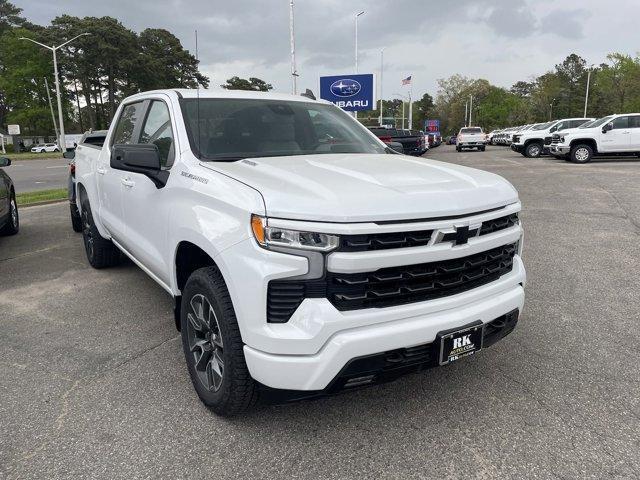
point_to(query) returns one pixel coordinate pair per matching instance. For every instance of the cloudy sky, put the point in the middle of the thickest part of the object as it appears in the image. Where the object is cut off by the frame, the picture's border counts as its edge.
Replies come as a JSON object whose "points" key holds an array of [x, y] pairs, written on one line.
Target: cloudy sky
{"points": [[500, 40]]}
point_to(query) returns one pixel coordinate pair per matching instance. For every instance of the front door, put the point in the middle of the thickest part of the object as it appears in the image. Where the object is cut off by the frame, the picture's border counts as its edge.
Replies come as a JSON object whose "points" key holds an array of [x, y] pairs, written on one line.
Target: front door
{"points": [[619, 138]]}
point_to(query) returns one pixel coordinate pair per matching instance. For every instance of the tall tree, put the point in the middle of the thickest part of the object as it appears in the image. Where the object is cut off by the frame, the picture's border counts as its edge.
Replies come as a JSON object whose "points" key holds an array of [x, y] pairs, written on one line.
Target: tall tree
{"points": [[237, 83]]}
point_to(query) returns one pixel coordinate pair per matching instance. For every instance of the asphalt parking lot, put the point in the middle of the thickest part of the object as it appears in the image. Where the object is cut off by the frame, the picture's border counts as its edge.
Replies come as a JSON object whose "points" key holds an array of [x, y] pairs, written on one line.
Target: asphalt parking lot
{"points": [[93, 382], [41, 174]]}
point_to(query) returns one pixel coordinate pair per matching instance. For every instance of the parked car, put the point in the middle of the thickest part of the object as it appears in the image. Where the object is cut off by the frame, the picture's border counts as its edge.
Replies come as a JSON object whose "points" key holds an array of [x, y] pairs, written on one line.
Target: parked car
{"points": [[94, 139], [299, 266], [470, 137], [536, 141], [452, 140], [48, 147], [9, 218], [412, 141], [612, 135]]}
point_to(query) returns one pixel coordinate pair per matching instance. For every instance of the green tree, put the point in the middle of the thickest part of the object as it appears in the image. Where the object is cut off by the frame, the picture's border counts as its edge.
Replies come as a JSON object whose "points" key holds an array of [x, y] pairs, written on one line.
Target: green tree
{"points": [[422, 110], [237, 83], [10, 16]]}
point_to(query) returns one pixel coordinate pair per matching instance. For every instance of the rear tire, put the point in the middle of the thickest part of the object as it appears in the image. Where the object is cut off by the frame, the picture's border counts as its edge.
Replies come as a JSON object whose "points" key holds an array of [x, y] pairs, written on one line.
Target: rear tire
{"points": [[101, 253], [581, 154], [212, 345], [482, 149], [458, 149], [76, 219], [13, 223]]}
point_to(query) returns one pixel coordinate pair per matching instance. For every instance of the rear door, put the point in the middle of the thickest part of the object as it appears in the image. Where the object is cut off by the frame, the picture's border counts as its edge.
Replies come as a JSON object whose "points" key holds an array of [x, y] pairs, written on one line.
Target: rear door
{"points": [[146, 209], [110, 180], [634, 136], [619, 138]]}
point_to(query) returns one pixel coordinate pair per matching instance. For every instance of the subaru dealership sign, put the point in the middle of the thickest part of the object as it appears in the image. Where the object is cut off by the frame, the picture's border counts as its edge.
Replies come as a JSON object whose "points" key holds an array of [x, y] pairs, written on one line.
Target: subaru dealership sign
{"points": [[432, 126], [350, 92]]}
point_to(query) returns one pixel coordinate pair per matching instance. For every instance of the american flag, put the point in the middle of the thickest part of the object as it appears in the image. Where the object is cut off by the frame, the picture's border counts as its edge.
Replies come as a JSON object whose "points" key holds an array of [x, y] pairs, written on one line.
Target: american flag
{"points": [[406, 81]]}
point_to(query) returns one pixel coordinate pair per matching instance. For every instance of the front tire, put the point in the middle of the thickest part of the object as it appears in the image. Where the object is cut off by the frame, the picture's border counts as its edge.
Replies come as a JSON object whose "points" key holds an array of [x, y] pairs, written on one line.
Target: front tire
{"points": [[101, 253], [533, 150], [213, 346], [581, 154], [13, 223]]}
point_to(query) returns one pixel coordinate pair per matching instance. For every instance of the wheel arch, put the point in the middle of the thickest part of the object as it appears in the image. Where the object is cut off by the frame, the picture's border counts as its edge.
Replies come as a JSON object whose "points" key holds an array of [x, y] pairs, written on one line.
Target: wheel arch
{"points": [[586, 141]]}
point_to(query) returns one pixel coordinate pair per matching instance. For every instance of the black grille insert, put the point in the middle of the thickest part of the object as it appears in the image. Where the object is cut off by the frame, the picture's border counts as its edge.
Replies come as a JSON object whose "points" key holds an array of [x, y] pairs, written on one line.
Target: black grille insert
{"points": [[382, 241], [391, 286], [491, 226]]}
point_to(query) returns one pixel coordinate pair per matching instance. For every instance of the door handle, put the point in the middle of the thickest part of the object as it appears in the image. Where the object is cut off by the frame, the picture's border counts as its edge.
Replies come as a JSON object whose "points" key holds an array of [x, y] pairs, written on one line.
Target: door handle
{"points": [[101, 171], [128, 183]]}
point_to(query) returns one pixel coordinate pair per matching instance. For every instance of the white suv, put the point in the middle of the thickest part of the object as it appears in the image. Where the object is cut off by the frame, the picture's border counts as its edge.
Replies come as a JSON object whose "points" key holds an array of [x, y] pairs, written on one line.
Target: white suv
{"points": [[48, 147], [305, 256], [612, 135]]}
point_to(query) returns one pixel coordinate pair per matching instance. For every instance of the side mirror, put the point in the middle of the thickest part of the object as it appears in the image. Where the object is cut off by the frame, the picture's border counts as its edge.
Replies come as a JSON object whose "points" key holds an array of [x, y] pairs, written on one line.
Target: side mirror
{"points": [[396, 146], [140, 158], [607, 127], [553, 129], [4, 162], [69, 155]]}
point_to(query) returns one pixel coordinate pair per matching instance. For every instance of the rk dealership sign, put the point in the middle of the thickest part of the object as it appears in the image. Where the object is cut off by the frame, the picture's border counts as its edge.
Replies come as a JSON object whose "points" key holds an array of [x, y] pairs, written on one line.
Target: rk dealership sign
{"points": [[350, 92]]}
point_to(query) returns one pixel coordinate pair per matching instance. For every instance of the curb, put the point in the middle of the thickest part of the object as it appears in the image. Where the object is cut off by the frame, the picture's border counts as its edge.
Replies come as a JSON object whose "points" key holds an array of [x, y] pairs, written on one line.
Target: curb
{"points": [[46, 202]]}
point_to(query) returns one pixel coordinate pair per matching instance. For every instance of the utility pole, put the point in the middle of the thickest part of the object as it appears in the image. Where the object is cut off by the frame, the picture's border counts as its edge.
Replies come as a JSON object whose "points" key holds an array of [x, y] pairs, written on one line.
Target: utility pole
{"points": [[470, 108], [53, 117], [586, 97], [292, 39], [551, 109], [381, 70], [61, 140], [466, 113]]}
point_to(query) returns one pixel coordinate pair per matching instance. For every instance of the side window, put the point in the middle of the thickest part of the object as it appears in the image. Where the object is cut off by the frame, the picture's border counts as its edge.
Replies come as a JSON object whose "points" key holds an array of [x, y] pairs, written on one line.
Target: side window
{"points": [[576, 123], [126, 123], [621, 122], [562, 126], [157, 130], [634, 121]]}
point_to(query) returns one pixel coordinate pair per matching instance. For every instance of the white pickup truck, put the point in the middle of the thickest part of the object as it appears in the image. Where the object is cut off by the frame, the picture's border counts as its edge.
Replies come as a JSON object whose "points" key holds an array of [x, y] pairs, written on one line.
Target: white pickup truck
{"points": [[471, 137], [305, 257], [536, 140], [612, 135]]}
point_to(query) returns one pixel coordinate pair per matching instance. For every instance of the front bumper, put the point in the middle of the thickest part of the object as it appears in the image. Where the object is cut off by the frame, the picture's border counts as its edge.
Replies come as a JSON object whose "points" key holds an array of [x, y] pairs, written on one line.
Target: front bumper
{"points": [[317, 371], [516, 147]]}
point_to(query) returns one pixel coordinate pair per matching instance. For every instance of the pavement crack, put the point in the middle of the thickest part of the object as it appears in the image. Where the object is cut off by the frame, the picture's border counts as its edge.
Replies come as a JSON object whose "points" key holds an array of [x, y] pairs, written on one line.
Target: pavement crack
{"points": [[141, 353]]}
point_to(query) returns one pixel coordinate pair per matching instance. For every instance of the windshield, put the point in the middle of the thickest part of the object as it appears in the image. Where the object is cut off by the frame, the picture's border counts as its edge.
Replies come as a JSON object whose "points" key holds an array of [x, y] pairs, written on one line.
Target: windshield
{"points": [[601, 121], [543, 126], [232, 129], [471, 130]]}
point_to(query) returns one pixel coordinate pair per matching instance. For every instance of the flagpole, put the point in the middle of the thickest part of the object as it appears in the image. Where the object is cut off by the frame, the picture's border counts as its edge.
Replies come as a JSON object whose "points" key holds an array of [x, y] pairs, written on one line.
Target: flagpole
{"points": [[410, 104]]}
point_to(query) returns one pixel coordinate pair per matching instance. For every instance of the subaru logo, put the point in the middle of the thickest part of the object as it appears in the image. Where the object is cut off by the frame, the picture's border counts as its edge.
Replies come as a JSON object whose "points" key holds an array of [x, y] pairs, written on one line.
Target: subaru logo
{"points": [[345, 88]]}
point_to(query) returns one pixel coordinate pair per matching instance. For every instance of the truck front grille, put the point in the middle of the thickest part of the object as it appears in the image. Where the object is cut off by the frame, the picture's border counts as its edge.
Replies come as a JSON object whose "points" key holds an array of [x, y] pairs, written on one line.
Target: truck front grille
{"points": [[555, 139], [382, 241], [391, 286]]}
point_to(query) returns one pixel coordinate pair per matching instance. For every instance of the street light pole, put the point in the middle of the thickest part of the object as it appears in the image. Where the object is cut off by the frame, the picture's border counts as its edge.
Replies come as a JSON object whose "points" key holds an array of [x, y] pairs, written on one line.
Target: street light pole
{"points": [[53, 117], [61, 140], [403, 97], [381, 70], [470, 108], [586, 97], [355, 113], [551, 109], [466, 113]]}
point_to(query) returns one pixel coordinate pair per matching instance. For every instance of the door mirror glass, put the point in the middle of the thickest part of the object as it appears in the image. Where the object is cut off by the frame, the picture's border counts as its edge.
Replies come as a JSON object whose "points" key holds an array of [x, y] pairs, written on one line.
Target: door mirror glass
{"points": [[139, 158], [4, 162]]}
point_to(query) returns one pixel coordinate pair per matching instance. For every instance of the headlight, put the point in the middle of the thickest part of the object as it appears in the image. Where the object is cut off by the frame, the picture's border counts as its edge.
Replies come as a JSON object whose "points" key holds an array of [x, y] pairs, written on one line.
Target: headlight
{"points": [[281, 237]]}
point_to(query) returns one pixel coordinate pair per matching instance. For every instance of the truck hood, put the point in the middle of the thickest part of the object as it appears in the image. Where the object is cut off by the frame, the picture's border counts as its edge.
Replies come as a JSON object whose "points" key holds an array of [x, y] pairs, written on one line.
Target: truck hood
{"points": [[367, 187]]}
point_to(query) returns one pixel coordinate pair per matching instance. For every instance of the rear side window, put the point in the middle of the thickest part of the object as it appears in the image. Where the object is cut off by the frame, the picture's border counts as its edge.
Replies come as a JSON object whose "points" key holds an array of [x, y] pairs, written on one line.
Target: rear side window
{"points": [[634, 121], [157, 130], [621, 122], [126, 123]]}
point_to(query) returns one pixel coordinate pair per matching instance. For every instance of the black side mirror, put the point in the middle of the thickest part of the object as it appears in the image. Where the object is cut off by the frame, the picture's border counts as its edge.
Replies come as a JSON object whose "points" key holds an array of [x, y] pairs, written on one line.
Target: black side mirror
{"points": [[553, 129], [140, 158], [4, 162], [607, 127], [69, 155]]}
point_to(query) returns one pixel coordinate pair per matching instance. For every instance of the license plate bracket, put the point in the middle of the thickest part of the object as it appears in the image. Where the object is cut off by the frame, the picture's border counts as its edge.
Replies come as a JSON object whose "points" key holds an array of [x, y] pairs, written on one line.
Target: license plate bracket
{"points": [[460, 342]]}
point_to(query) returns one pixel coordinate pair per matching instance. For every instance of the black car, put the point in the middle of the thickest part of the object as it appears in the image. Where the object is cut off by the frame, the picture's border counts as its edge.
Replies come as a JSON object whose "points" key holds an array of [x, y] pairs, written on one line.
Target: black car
{"points": [[92, 139], [9, 220]]}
